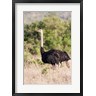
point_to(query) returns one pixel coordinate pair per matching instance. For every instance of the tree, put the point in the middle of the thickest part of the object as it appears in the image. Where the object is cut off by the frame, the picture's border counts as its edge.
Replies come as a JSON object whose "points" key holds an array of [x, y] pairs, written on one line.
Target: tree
{"points": [[57, 34]]}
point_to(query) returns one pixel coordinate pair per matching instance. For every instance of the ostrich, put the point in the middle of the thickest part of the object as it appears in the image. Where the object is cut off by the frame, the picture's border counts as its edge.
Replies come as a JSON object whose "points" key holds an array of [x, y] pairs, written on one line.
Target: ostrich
{"points": [[52, 56]]}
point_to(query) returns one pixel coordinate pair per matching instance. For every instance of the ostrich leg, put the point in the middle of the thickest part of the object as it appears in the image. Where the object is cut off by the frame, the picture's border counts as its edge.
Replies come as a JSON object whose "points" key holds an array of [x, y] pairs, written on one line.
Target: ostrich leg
{"points": [[67, 64], [53, 66], [61, 64]]}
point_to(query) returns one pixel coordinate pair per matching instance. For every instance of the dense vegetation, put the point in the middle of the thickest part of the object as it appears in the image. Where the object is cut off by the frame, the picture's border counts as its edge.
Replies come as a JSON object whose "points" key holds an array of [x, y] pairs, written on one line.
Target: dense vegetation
{"points": [[57, 34]]}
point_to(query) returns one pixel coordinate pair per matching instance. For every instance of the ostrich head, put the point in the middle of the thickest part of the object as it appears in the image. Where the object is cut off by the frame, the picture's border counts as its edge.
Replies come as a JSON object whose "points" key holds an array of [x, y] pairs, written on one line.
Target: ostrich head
{"points": [[40, 30]]}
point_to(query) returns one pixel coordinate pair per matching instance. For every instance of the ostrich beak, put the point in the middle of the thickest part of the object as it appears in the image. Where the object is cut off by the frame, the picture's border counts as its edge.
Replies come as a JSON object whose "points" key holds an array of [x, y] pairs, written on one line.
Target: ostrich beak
{"points": [[36, 31]]}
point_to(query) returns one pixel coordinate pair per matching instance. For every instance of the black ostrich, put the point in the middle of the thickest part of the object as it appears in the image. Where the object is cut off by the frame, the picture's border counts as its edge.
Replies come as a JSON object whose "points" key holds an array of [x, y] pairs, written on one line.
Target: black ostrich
{"points": [[52, 56]]}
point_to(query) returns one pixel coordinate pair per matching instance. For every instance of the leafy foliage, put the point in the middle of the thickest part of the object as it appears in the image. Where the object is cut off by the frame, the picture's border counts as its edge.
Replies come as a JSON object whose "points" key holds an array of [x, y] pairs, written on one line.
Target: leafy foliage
{"points": [[57, 35]]}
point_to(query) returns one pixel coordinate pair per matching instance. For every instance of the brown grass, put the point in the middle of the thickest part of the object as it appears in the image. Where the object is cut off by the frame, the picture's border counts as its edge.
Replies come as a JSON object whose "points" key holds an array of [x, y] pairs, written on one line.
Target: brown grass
{"points": [[45, 74]]}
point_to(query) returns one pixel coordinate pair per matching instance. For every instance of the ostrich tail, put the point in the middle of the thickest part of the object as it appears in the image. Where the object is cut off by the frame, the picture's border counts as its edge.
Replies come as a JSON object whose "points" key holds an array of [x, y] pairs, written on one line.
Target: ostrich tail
{"points": [[42, 50], [67, 56]]}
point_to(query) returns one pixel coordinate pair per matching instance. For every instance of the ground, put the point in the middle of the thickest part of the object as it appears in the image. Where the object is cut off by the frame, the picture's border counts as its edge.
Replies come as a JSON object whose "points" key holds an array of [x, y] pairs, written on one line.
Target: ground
{"points": [[46, 74]]}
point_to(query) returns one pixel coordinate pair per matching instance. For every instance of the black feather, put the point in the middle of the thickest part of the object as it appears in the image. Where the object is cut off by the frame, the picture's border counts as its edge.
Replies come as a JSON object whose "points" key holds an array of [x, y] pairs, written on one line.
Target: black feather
{"points": [[54, 56]]}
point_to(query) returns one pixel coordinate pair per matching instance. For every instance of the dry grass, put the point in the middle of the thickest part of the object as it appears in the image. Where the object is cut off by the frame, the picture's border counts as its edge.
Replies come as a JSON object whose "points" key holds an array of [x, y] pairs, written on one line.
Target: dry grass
{"points": [[45, 74]]}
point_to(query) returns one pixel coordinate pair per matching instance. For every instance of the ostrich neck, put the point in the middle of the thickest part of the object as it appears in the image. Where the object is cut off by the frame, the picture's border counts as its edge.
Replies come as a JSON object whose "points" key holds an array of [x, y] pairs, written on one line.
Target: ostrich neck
{"points": [[41, 38]]}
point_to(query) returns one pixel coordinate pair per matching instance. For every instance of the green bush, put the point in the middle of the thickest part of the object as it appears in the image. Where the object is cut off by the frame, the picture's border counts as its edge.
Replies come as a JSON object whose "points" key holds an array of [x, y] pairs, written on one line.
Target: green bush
{"points": [[57, 34]]}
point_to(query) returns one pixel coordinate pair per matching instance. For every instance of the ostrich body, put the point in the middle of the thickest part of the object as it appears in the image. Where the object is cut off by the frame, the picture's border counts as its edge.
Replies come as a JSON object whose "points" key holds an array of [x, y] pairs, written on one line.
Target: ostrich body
{"points": [[52, 56]]}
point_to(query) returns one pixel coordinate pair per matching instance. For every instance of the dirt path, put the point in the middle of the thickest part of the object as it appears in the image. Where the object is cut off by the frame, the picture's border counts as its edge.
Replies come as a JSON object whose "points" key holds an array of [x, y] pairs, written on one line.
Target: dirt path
{"points": [[45, 74]]}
